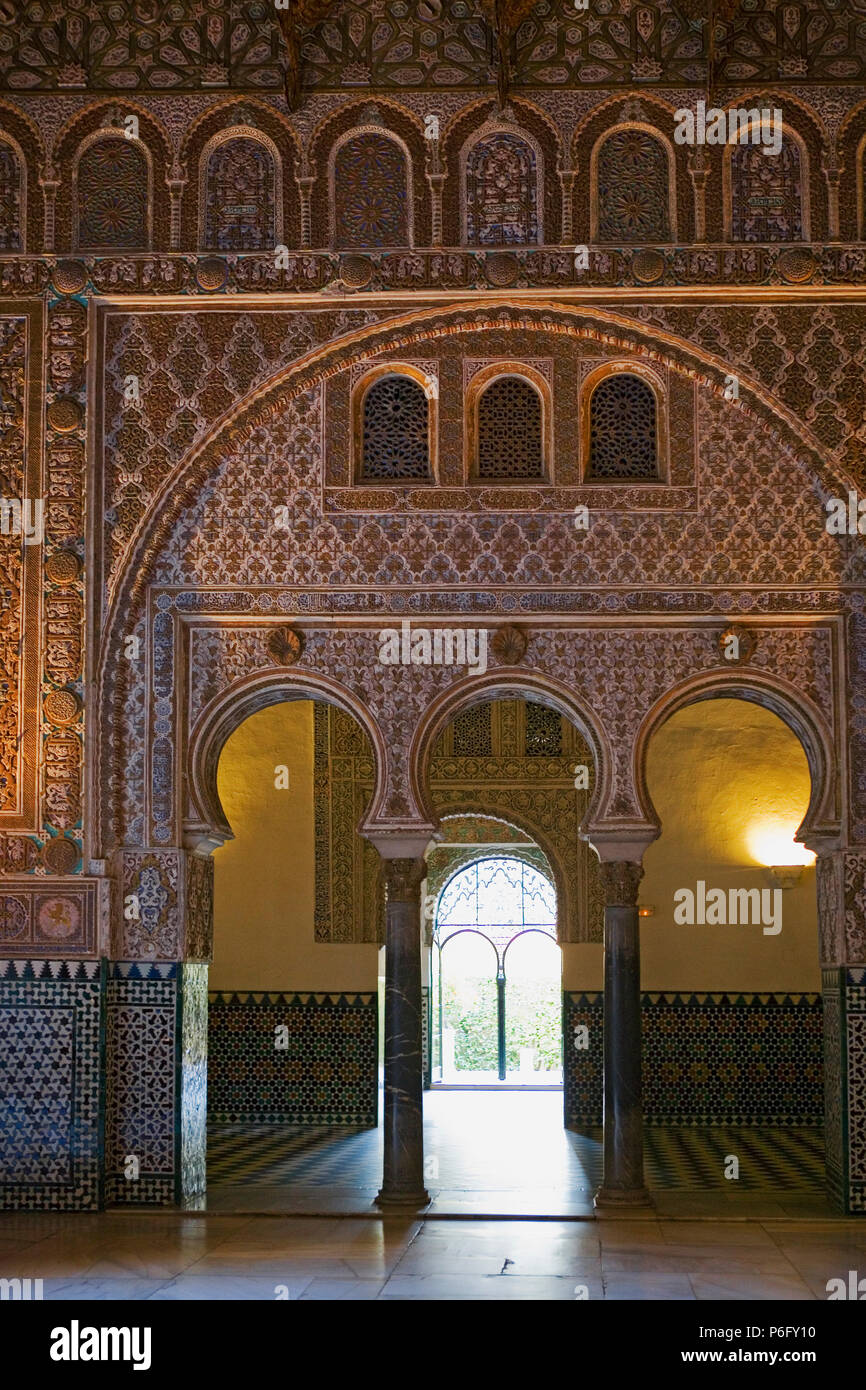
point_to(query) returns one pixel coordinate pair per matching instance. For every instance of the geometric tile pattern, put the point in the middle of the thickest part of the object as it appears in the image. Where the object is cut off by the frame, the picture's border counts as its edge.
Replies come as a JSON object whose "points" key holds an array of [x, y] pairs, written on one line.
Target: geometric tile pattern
{"points": [[307, 1059], [777, 1160], [51, 1043], [833, 990], [675, 1157], [141, 1084], [855, 1021], [708, 1059], [314, 1155]]}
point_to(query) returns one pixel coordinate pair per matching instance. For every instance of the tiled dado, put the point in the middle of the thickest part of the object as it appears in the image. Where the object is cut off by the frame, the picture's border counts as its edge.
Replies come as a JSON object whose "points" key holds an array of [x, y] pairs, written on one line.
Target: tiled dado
{"points": [[320, 1071], [52, 1033], [740, 1059], [845, 1084], [156, 1083], [103, 1079]]}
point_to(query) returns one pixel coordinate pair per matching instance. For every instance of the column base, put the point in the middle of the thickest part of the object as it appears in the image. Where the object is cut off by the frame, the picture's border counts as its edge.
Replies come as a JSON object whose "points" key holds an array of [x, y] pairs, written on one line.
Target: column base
{"points": [[403, 1201], [617, 1201]]}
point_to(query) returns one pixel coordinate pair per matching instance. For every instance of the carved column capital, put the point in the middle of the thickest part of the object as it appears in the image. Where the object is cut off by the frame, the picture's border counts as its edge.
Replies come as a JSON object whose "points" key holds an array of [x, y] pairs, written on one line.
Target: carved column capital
{"points": [[620, 880], [403, 879]]}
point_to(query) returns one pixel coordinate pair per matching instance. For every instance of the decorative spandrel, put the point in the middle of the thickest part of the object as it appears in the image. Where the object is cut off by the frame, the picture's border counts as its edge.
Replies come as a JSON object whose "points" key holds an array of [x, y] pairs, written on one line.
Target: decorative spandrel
{"points": [[766, 194], [370, 198], [622, 432], [240, 197], [633, 190], [501, 192], [395, 429], [112, 196], [510, 442]]}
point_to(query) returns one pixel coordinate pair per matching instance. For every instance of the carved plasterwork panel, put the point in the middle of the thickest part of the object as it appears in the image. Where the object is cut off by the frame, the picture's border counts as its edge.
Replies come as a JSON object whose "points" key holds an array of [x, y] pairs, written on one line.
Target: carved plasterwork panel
{"points": [[619, 675], [21, 485]]}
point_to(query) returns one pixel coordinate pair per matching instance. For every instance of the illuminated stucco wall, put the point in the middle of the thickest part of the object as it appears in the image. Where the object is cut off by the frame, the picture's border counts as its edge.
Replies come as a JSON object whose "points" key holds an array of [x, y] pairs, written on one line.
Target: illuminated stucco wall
{"points": [[264, 878], [730, 784]]}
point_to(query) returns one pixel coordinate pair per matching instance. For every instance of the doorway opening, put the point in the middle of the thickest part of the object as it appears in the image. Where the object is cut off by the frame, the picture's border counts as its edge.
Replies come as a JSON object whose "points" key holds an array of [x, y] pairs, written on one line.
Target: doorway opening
{"points": [[496, 978]]}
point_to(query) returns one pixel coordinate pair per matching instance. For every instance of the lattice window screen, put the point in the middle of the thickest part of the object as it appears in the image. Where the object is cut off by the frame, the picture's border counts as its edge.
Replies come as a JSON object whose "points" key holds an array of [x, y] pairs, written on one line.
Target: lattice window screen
{"points": [[543, 732], [510, 440], [473, 732], [396, 442], [623, 429]]}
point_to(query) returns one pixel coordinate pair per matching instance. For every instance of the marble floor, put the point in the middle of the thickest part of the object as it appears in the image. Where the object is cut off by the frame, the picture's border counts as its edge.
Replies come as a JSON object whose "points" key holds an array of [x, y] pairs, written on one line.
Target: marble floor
{"points": [[495, 1153], [167, 1255]]}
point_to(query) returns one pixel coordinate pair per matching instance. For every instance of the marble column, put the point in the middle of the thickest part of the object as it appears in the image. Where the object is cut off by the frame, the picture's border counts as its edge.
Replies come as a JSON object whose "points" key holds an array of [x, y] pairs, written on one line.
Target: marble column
{"points": [[403, 1180], [623, 1182]]}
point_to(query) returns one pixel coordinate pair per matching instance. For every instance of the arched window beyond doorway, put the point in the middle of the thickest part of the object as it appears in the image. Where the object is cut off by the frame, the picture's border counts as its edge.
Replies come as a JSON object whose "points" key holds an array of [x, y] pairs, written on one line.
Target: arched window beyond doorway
{"points": [[767, 193], [371, 193], [501, 191], [633, 185], [496, 977]]}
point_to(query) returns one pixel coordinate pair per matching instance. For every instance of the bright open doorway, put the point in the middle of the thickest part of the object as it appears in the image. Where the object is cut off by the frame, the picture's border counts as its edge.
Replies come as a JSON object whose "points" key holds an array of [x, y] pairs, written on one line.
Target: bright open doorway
{"points": [[496, 978]]}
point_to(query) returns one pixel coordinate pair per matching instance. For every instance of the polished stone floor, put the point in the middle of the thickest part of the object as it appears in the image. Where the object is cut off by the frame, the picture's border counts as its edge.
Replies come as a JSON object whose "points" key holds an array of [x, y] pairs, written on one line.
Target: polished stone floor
{"points": [[768, 1235], [492, 1153], [161, 1255]]}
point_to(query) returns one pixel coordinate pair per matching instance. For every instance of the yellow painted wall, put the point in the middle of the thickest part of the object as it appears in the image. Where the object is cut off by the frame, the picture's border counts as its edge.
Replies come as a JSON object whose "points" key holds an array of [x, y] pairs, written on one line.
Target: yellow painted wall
{"points": [[721, 774], [716, 771], [264, 878]]}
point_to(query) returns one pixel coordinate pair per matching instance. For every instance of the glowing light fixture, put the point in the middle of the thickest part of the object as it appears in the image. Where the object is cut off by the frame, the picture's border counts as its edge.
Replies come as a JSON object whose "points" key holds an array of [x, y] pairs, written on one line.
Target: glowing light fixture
{"points": [[772, 843]]}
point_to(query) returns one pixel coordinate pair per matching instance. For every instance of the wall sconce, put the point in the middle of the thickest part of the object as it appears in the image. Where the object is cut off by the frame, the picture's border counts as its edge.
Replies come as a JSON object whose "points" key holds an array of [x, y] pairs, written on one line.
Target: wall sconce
{"points": [[785, 875], [646, 911]]}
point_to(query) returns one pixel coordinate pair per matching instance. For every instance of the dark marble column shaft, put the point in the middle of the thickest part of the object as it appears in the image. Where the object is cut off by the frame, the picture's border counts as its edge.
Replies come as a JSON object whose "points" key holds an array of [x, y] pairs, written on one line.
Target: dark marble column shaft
{"points": [[403, 1180], [623, 1182]]}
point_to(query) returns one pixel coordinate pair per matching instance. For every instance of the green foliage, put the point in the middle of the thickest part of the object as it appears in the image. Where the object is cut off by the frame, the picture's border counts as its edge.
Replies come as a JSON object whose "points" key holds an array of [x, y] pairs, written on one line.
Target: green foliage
{"points": [[532, 1019], [471, 1011]]}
